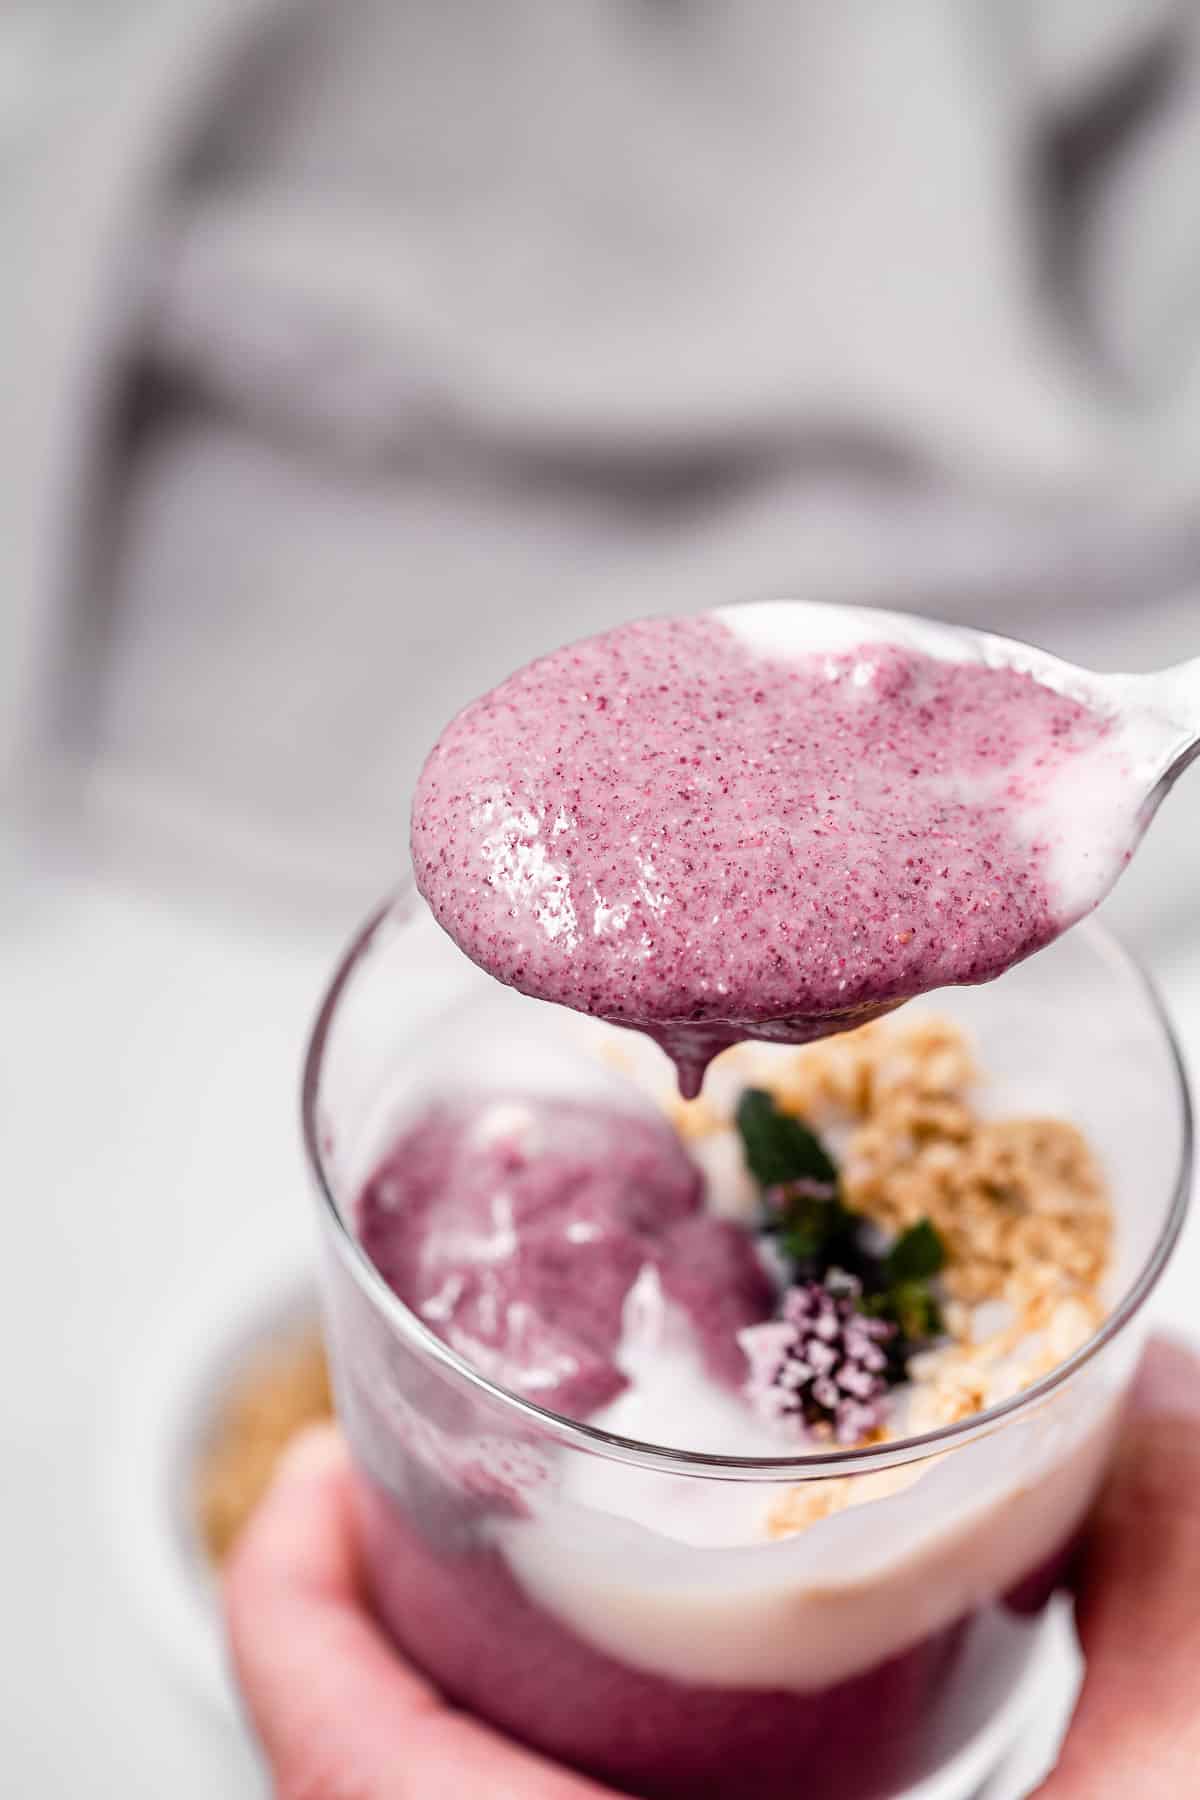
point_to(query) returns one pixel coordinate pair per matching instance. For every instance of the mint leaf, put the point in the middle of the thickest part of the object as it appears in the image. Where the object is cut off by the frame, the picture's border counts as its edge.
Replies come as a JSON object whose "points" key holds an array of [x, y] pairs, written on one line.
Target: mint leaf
{"points": [[916, 1256], [914, 1309], [817, 1235], [779, 1148], [808, 1224], [915, 1313]]}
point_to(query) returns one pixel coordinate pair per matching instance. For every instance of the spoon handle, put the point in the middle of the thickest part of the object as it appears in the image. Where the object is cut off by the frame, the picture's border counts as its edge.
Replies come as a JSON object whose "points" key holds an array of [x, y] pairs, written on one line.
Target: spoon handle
{"points": [[1169, 703]]}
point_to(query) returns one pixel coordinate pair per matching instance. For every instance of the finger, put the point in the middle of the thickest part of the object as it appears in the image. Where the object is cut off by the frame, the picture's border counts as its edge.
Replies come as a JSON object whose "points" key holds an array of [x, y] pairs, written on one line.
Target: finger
{"points": [[304, 1647], [340, 1716], [1136, 1729]]}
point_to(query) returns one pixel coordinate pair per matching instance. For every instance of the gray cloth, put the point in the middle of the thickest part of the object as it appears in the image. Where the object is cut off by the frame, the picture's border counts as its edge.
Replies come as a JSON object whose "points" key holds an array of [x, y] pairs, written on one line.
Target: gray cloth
{"points": [[438, 332]]}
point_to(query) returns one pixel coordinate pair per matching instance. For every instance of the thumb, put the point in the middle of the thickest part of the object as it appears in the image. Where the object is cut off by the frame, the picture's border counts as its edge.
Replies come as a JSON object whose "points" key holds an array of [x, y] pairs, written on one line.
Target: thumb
{"points": [[324, 1693], [1136, 1728], [338, 1714]]}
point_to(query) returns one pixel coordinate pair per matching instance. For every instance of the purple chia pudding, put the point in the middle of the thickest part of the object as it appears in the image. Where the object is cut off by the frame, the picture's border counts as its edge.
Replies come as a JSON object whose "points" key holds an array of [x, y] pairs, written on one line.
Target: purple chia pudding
{"points": [[456, 1610], [522, 1229], [516, 1228], [666, 828]]}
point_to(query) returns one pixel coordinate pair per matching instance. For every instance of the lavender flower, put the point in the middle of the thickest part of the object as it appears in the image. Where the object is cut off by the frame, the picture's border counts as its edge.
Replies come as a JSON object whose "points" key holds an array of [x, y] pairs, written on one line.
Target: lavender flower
{"points": [[822, 1362]]}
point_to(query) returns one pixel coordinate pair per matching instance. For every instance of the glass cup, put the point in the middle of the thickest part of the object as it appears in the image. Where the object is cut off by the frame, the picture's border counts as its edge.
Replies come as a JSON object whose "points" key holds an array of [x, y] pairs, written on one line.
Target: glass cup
{"points": [[617, 1604]]}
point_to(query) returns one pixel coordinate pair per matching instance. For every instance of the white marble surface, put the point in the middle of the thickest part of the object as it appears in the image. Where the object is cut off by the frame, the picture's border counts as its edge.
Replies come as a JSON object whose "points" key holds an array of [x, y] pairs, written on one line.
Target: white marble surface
{"points": [[148, 1084]]}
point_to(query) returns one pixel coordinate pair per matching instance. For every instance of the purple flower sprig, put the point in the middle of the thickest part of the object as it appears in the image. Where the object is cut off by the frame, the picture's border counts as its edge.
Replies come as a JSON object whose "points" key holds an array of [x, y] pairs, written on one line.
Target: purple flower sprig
{"points": [[855, 1312], [823, 1362]]}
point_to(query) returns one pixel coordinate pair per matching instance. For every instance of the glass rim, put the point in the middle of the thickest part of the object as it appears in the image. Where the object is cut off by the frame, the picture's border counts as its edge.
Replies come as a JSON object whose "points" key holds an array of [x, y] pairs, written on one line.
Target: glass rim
{"points": [[593, 1439]]}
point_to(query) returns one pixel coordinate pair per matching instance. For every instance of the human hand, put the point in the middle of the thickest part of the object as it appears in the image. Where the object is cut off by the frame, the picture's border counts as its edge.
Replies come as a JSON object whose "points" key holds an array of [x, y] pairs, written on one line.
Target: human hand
{"points": [[1136, 1729], [341, 1717]]}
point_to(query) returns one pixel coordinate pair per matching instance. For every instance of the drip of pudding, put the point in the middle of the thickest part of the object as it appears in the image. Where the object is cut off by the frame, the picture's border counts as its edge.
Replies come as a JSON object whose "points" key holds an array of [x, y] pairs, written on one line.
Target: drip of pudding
{"points": [[516, 1228], [676, 828]]}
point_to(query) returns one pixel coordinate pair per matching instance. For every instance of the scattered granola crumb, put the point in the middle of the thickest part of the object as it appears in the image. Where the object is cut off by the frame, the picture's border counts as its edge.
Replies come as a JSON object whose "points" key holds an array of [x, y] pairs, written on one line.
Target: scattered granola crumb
{"points": [[806, 1504], [959, 1379], [1019, 1203], [811, 1501], [269, 1401], [880, 1068], [694, 1119]]}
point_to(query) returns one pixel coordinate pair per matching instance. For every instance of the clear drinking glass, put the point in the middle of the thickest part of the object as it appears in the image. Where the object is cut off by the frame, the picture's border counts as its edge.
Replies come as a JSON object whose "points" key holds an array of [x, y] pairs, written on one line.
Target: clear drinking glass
{"points": [[615, 1603]]}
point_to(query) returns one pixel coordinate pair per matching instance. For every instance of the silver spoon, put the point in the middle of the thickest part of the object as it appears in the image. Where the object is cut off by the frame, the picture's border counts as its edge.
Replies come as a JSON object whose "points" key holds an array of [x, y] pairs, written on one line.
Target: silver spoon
{"points": [[1156, 716], [1084, 813], [1154, 733]]}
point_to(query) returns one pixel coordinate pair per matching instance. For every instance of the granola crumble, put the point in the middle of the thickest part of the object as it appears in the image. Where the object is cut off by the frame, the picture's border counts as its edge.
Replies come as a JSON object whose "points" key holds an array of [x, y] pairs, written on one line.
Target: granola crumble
{"points": [[1020, 1204]]}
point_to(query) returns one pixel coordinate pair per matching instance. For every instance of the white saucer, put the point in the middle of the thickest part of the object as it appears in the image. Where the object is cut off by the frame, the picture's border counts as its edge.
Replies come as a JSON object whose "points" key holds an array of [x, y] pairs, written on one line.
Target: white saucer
{"points": [[189, 1355]]}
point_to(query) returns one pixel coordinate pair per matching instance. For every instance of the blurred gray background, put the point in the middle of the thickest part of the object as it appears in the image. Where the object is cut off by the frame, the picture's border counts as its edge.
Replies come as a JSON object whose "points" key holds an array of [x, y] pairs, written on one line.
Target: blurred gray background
{"points": [[353, 353]]}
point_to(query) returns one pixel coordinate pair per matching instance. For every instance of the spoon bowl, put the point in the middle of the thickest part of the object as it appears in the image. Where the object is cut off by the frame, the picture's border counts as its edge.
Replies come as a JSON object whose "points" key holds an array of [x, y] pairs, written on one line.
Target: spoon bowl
{"points": [[781, 819], [1157, 715]]}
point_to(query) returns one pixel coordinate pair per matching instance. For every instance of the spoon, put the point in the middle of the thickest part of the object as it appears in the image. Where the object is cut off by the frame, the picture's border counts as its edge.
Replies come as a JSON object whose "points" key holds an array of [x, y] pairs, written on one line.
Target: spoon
{"points": [[1157, 715], [783, 818]]}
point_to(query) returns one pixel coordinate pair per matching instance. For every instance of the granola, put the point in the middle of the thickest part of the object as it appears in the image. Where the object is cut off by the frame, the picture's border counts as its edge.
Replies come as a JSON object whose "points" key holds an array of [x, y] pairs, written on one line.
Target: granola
{"points": [[1020, 1205]]}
